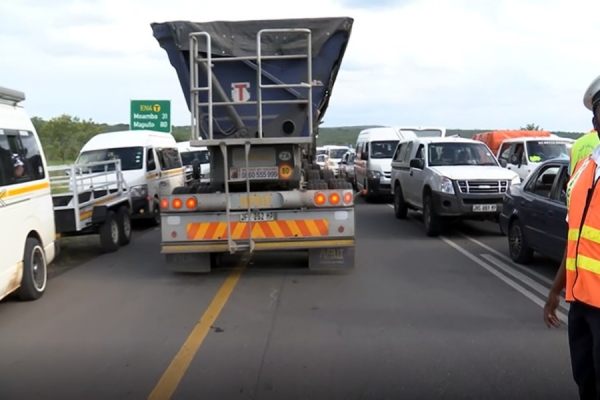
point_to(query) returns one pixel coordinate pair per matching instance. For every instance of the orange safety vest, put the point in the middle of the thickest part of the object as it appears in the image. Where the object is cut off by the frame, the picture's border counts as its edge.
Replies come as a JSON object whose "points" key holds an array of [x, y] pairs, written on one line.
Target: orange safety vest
{"points": [[583, 244]]}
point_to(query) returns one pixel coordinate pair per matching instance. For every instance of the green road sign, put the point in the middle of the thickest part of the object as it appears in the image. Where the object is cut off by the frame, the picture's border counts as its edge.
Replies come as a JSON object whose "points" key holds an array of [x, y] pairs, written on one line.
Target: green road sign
{"points": [[153, 115]]}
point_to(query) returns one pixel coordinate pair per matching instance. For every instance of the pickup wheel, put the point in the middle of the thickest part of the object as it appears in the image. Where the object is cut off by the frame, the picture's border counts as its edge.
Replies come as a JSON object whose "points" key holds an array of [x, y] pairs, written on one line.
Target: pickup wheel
{"points": [[519, 250], [433, 223], [400, 208]]}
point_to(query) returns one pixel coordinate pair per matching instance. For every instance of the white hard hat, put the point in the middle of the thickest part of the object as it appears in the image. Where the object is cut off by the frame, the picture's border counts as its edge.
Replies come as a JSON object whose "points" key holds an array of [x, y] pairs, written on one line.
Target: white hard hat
{"points": [[590, 93]]}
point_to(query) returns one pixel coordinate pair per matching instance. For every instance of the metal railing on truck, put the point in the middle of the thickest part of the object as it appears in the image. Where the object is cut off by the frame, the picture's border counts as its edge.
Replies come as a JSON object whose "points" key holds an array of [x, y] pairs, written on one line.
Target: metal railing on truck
{"points": [[206, 64], [78, 188]]}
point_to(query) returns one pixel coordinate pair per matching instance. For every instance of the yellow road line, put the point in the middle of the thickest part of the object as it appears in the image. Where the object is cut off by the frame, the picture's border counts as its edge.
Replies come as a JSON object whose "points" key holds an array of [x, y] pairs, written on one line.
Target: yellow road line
{"points": [[170, 379]]}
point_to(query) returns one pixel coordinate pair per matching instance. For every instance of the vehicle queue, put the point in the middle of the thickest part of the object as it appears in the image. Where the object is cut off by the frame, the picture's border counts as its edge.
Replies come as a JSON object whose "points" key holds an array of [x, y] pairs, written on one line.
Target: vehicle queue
{"points": [[520, 181]]}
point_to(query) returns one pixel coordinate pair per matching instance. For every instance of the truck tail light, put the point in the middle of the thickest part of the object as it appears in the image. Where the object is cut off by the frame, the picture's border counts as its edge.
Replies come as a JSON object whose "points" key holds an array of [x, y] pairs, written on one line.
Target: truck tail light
{"points": [[164, 204], [191, 203], [334, 198], [177, 203], [320, 199], [348, 197]]}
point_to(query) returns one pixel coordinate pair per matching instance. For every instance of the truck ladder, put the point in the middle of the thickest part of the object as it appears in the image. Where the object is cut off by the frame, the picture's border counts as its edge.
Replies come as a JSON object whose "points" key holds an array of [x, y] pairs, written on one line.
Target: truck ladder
{"points": [[197, 64]]}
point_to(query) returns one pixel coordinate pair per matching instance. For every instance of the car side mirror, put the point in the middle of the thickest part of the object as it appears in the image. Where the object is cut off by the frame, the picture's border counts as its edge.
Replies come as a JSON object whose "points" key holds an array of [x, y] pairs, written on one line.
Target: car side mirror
{"points": [[417, 163], [503, 163], [514, 159], [364, 155]]}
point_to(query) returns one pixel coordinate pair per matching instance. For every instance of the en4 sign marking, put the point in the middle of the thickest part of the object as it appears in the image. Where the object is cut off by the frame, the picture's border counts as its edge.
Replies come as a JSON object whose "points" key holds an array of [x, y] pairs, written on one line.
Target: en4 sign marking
{"points": [[240, 92]]}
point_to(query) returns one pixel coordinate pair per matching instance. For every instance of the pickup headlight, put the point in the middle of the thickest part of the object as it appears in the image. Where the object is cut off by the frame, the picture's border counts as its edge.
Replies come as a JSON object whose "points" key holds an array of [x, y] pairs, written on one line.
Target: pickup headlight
{"points": [[515, 181], [446, 185], [373, 174], [139, 191]]}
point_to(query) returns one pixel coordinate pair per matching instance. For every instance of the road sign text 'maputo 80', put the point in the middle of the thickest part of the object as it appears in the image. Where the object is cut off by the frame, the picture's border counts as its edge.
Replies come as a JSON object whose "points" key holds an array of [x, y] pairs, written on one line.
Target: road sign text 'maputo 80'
{"points": [[153, 115]]}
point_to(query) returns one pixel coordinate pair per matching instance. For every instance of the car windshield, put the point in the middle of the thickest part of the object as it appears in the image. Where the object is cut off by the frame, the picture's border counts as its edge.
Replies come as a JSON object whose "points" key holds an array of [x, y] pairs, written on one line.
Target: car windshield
{"points": [[460, 154], [321, 151], [383, 149], [188, 157], [132, 158], [425, 132], [336, 154], [542, 150]]}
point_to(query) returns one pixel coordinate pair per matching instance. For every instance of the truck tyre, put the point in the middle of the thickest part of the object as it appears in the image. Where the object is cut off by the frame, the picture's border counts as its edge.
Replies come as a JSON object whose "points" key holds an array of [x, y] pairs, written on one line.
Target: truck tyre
{"points": [[35, 271], [433, 223], [124, 221], [313, 175], [400, 208], [204, 187], [519, 250], [180, 190], [109, 233], [327, 175]]}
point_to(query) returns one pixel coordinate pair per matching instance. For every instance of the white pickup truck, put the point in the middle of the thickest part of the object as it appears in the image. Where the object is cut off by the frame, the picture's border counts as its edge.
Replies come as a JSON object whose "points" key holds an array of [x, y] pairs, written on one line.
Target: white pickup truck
{"points": [[448, 178]]}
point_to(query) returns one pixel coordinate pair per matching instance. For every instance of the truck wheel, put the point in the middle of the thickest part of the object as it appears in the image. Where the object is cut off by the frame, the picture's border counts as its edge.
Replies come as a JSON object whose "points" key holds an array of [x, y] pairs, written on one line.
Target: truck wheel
{"points": [[433, 223], [400, 208], [155, 220], [519, 250], [204, 188], [35, 271], [124, 221], [313, 175], [327, 175], [109, 233], [180, 190]]}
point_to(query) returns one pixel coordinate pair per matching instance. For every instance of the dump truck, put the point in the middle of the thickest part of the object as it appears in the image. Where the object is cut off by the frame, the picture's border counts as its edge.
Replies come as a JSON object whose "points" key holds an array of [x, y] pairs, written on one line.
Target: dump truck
{"points": [[257, 92]]}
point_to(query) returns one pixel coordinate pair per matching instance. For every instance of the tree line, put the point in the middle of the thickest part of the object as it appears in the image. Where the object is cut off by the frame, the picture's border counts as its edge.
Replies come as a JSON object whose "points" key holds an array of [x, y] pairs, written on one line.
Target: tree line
{"points": [[63, 137]]}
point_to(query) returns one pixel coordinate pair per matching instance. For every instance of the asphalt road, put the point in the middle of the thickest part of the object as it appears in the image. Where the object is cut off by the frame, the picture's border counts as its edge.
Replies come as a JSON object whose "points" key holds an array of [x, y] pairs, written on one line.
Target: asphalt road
{"points": [[419, 318]]}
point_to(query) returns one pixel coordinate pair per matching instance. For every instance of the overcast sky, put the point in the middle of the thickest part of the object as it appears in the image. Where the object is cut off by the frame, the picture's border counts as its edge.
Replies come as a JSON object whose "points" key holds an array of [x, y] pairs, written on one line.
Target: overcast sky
{"points": [[454, 63]]}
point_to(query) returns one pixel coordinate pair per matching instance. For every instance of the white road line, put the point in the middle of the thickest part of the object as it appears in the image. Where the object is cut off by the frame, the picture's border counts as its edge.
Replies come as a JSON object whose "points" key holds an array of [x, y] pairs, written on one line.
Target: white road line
{"points": [[522, 277], [502, 277], [508, 260]]}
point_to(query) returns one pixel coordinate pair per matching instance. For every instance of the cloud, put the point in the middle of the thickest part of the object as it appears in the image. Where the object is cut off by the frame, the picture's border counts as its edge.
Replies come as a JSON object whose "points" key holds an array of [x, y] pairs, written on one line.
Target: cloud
{"points": [[457, 63]]}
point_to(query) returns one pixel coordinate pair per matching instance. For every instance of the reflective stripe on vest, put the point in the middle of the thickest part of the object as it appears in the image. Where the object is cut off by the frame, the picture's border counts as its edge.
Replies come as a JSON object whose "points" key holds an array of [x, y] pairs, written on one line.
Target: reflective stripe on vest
{"points": [[583, 242]]}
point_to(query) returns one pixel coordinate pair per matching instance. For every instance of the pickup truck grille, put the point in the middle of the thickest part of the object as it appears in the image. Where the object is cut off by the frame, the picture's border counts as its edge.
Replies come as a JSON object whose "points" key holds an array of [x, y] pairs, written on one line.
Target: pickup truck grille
{"points": [[482, 187]]}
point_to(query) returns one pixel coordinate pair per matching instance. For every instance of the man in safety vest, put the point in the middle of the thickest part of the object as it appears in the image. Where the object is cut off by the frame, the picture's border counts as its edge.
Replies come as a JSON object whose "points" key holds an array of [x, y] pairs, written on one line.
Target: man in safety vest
{"points": [[582, 148], [579, 272]]}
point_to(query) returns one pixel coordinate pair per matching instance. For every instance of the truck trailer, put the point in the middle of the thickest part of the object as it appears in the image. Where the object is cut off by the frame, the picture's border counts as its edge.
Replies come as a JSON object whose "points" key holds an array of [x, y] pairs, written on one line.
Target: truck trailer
{"points": [[257, 92]]}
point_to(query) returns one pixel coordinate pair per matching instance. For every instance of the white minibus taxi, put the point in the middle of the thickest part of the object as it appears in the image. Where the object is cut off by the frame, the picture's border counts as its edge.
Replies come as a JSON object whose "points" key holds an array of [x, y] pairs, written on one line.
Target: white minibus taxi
{"points": [[27, 230], [150, 162]]}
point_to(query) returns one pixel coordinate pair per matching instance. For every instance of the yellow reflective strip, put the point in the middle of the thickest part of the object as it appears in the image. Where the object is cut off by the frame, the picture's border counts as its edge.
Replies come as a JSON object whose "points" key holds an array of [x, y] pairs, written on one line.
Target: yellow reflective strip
{"points": [[589, 264], [570, 264], [573, 234], [589, 233]]}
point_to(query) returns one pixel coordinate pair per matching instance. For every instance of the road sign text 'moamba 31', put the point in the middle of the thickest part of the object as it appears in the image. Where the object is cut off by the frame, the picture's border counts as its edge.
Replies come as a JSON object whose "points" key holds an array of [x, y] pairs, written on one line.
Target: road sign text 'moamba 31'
{"points": [[153, 115]]}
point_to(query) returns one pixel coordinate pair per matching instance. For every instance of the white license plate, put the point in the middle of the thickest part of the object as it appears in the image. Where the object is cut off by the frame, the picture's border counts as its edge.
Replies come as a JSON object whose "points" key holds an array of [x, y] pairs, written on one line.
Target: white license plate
{"points": [[258, 216], [484, 207], [254, 173]]}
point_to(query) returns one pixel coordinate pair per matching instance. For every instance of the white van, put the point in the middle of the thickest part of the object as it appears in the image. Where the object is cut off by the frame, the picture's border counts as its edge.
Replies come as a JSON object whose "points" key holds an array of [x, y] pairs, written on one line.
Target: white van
{"points": [[334, 154], [373, 162], [189, 154], [150, 162], [524, 154], [424, 131], [27, 230]]}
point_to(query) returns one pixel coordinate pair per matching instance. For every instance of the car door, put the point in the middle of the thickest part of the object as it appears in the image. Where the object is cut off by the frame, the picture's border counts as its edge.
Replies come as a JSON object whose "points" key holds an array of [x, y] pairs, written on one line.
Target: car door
{"points": [[536, 202], [504, 153], [415, 178], [518, 160], [556, 214]]}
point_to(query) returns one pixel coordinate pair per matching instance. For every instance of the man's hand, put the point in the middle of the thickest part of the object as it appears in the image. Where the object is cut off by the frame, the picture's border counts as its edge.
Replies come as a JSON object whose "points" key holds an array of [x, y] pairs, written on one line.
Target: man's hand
{"points": [[550, 318]]}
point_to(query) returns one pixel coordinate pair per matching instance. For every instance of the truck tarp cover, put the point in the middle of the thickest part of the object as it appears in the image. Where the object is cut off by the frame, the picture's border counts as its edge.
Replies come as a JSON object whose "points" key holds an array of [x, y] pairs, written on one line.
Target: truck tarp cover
{"points": [[230, 39], [495, 138], [238, 38]]}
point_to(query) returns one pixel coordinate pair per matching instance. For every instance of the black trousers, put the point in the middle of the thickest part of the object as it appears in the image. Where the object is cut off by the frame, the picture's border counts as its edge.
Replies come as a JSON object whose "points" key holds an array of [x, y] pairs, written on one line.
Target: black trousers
{"points": [[584, 344]]}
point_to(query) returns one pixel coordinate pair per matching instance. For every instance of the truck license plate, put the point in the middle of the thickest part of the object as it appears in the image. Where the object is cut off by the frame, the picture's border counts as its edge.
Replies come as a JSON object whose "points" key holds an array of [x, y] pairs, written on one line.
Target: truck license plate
{"points": [[484, 207], [258, 216], [254, 173]]}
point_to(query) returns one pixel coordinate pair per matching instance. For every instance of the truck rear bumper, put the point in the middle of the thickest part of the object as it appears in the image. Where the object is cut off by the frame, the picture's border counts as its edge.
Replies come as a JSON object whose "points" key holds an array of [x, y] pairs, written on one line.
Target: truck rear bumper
{"points": [[271, 245]]}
